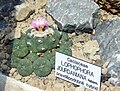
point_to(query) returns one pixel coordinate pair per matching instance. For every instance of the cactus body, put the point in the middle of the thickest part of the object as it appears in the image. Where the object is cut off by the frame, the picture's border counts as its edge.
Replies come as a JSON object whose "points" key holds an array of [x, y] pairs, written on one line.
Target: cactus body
{"points": [[25, 67], [20, 48], [32, 57], [42, 67]]}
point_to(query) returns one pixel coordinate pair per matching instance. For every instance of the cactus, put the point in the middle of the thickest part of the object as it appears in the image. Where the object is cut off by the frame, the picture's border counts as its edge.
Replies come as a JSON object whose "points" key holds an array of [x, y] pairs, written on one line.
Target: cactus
{"points": [[51, 57], [25, 50], [36, 44], [52, 61], [15, 61], [65, 50], [32, 44], [65, 40], [42, 42], [56, 36], [25, 67], [20, 48], [68, 43], [65, 45], [64, 37], [42, 67], [32, 57]]}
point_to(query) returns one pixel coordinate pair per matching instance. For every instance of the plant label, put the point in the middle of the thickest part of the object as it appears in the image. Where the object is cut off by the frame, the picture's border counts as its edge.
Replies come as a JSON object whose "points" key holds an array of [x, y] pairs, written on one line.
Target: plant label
{"points": [[77, 71]]}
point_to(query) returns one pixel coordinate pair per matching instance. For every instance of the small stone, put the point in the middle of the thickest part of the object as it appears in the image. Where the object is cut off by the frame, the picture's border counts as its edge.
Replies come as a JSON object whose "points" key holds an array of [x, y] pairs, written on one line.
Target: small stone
{"points": [[4, 61], [105, 64], [77, 50], [91, 47], [33, 75], [18, 77], [10, 75], [23, 12], [40, 4], [58, 87], [12, 71], [1, 46], [22, 80], [15, 74], [46, 81], [7, 55], [1, 35], [112, 88], [89, 89], [71, 88], [49, 86], [68, 84], [10, 36], [95, 57], [32, 82], [51, 76], [58, 80], [104, 71], [103, 87], [116, 88], [86, 59], [26, 78], [81, 88], [49, 18], [81, 38], [41, 84], [4, 67], [2, 55], [107, 83]]}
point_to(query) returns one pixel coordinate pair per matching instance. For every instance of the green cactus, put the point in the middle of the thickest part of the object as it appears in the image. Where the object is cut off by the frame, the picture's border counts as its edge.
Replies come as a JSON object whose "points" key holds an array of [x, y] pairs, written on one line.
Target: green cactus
{"points": [[20, 48], [56, 36], [42, 42], [52, 61], [42, 67], [65, 40], [32, 44], [15, 61], [25, 67], [32, 56], [47, 55], [37, 44], [25, 50], [51, 57], [67, 44], [64, 37], [65, 50]]}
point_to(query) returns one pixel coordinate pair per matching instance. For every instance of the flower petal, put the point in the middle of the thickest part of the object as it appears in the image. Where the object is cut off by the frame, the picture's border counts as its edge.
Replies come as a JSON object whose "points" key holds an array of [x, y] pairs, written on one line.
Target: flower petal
{"points": [[34, 24]]}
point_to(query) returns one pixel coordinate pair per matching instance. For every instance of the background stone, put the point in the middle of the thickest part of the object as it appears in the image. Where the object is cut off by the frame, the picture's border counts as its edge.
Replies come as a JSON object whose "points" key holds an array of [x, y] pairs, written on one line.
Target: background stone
{"points": [[23, 12], [71, 11], [107, 35]]}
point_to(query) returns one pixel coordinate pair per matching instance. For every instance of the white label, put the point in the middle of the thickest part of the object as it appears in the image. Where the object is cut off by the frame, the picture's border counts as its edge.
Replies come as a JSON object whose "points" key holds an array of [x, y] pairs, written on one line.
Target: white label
{"points": [[77, 71]]}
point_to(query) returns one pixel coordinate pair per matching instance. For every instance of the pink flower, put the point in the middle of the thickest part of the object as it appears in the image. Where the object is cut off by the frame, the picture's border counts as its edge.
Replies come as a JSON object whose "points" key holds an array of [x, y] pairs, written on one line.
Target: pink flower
{"points": [[40, 23]]}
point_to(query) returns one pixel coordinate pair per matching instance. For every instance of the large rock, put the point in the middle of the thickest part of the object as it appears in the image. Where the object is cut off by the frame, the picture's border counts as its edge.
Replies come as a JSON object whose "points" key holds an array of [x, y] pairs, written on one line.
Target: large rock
{"points": [[71, 11], [108, 37]]}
